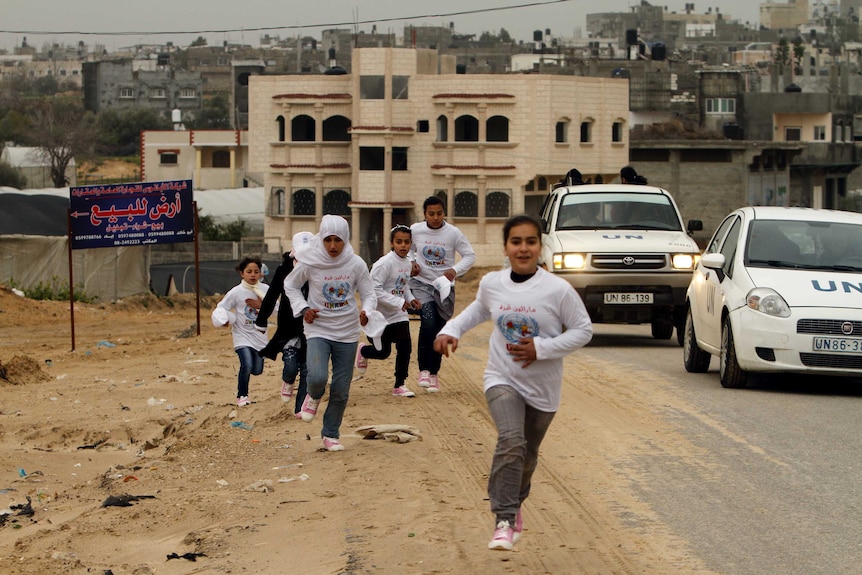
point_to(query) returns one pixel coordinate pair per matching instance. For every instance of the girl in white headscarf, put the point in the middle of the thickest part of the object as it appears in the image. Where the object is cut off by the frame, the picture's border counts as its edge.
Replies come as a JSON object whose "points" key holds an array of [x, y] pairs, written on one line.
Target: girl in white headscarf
{"points": [[332, 317]]}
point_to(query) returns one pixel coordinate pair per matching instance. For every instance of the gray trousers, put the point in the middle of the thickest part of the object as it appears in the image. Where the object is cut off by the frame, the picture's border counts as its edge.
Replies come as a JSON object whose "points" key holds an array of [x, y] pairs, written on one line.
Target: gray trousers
{"points": [[520, 431]]}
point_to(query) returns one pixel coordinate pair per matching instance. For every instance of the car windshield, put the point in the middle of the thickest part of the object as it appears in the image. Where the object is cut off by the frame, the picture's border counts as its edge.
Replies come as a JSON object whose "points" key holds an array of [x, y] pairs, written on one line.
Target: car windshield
{"points": [[804, 245], [619, 210]]}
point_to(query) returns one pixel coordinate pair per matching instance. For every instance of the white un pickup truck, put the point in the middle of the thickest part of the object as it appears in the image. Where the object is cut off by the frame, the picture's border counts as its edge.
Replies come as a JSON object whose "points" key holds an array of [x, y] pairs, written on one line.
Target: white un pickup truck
{"points": [[624, 250]]}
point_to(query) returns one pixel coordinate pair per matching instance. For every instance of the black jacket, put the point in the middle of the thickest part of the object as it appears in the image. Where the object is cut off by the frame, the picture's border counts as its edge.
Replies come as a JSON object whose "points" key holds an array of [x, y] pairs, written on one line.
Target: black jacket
{"points": [[288, 327]]}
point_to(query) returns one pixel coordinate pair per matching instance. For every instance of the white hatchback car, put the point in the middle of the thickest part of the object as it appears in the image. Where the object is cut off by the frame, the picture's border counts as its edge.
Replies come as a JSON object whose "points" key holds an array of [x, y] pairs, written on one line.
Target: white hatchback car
{"points": [[778, 290]]}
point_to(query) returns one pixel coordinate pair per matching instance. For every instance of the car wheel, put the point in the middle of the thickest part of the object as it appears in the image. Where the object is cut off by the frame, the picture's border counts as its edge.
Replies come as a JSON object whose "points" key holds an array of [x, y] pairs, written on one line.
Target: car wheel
{"points": [[696, 360], [662, 329], [730, 374]]}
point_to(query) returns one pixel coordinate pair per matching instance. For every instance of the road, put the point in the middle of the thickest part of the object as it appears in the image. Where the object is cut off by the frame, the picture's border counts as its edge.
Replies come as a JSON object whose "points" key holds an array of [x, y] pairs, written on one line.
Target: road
{"points": [[764, 480]]}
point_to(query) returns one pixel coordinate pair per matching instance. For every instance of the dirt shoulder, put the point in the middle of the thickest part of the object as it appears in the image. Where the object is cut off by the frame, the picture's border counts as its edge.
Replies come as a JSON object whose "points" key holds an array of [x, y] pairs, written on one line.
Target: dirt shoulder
{"points": [[144, 407]]}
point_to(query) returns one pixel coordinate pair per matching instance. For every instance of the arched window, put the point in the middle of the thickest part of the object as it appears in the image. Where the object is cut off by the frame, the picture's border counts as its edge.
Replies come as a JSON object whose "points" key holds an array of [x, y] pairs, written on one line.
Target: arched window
{"points": [[562, 131], [443, 195], [543, 183], [336, 129], [586, 131], [442, 128], [497, 205], [221, 159], [277, 202], [302, 129], [466, 129], [497, 129], [335, 202], [466, 204], [303, 202], [281, 131], [617, 131]]}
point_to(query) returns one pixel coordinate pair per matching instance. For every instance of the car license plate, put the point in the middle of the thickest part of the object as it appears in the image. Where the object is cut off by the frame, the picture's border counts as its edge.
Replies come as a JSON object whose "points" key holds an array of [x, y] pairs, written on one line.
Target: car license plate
{"points": [[837, 344], [628, 298]]}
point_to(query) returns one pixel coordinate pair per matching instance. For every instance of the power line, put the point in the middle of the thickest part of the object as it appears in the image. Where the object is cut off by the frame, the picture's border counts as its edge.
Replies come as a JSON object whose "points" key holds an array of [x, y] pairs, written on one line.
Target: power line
{"points": [[293, 27]]}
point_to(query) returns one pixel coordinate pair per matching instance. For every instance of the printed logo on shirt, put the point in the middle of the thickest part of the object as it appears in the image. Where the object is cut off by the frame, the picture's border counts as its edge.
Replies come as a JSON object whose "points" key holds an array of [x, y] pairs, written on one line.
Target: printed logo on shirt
{"points": [[435, 256], [514, 326], [400, 282], [335, 293], [250, 314]]}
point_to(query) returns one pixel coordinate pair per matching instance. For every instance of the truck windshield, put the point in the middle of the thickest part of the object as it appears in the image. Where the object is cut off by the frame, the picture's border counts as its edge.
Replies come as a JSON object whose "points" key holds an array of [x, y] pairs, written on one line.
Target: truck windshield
{"points": [[588, 211]]}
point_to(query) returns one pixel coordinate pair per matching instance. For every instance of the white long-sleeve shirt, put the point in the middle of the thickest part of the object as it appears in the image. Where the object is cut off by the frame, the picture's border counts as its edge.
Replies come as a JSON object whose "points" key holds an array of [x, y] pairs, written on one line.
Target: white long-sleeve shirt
{"points": [[242, 317], [390, 276], [332, 292], [434, 251], [545, 308]]}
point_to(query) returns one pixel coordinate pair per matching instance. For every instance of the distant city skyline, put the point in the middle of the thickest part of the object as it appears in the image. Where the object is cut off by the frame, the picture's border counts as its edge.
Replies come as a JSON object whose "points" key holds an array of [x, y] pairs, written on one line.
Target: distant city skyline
{"points": [[42, 21]]}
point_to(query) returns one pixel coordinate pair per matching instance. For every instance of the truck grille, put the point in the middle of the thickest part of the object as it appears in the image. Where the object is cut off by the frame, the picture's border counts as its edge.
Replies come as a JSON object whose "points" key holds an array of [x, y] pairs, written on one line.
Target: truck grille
{"points": [[628, 261]]}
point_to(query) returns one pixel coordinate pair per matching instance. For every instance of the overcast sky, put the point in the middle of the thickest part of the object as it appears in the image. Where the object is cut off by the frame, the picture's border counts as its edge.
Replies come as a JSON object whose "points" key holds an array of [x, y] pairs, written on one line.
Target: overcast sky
{"points": [[42, 21]]}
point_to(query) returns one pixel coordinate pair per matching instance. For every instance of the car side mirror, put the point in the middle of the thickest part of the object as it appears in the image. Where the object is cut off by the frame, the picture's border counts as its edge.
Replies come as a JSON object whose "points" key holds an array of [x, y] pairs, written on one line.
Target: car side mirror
{"points": [[695, 226], [714, 261]]}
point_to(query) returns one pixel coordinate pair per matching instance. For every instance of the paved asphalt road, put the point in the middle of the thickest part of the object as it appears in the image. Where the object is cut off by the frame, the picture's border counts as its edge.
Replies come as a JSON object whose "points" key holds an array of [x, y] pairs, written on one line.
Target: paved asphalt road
{"points": [[779, 490]]}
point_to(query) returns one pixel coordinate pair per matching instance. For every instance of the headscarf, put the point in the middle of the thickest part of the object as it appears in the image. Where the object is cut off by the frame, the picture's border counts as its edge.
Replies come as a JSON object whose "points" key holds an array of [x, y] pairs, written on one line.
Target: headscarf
{"points": [[315, 254], [300, 242]]}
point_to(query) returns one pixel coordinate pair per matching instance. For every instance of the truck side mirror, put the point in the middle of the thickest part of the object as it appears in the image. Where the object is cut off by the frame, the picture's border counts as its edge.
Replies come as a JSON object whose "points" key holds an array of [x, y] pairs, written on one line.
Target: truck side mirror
{"points": [[694, 226]]}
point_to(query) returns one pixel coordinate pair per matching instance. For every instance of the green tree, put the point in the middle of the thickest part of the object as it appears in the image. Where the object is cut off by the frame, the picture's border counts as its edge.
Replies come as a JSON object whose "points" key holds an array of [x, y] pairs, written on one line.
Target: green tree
{"points": [[200, 41], [13, 126], [781, 58], [120, 131], [504, 36], [12, 177], [214, 114]]}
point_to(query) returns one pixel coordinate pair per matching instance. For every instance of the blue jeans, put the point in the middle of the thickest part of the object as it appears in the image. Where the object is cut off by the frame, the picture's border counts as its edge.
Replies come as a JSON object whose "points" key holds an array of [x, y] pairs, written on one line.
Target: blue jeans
{"points": [[320, 351], [295, 364], [520, 431], [250, 363]]}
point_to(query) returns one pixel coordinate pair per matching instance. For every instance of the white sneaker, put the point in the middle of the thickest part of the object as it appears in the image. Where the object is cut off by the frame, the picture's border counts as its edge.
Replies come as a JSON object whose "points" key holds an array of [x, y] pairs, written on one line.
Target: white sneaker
{"points": [[424, 378]]}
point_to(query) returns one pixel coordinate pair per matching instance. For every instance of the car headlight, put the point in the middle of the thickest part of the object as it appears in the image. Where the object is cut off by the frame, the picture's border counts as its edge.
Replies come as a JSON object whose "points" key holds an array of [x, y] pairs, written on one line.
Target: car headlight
{"points": [[683, 261], [768, 301], [566, 261]]}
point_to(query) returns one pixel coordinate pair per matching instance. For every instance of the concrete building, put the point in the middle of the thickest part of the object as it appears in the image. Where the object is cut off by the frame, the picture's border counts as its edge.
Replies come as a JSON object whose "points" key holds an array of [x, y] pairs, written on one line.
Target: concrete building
{"points": [[373, 144], [117, 85], [790, 14], [212, 159]]}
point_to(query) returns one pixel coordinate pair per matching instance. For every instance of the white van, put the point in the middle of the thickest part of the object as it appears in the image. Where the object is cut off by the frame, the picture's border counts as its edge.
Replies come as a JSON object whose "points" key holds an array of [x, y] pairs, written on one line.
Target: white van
{"points": [[624, 249]]}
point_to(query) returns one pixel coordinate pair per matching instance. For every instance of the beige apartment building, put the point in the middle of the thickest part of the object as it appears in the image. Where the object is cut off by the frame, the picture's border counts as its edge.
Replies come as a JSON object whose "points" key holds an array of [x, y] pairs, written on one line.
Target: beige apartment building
{"points": [[373, 144], [212, 159]]}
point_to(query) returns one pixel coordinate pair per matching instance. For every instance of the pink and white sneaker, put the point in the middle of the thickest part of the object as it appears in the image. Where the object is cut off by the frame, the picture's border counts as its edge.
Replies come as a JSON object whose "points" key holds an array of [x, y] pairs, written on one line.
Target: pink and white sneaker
{"points": [[309, 408], [331, 444], [503, 539], [361, 363], [286, 391], [424, 378], [402, 391], [519, 527], [433, 384]]}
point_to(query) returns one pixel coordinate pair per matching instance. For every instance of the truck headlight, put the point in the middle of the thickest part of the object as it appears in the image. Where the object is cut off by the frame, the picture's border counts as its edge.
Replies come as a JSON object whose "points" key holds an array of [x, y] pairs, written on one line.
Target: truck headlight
{"points": [[683, 261], [566, 261]]}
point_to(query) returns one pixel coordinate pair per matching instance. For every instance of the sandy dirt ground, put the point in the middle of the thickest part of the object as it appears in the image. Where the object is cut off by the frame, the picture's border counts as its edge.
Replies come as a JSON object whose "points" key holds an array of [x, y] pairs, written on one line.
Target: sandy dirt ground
{"points": [[142, 412]]}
